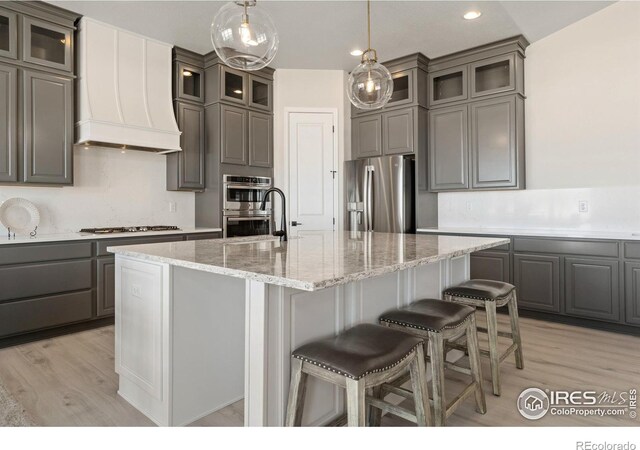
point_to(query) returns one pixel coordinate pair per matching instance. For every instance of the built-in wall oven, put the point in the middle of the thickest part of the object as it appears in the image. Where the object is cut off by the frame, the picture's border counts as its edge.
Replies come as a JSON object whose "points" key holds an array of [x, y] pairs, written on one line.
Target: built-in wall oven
{"points": [[241, 214]]}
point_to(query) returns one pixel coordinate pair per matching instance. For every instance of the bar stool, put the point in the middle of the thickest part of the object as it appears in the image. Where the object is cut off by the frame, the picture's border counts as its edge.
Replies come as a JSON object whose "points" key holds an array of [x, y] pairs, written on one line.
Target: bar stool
{"points": [[490, 295], [437, 322], [359, 359]]}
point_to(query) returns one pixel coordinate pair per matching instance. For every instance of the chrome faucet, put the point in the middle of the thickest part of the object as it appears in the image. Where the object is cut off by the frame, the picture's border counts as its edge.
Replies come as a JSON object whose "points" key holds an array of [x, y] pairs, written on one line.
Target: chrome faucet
{"points": [[283, 221]]}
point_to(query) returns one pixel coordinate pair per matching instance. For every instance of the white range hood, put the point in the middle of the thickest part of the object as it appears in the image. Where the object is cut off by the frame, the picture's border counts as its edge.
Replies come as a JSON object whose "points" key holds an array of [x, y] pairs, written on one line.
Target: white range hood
{"points": [[124, 90]]}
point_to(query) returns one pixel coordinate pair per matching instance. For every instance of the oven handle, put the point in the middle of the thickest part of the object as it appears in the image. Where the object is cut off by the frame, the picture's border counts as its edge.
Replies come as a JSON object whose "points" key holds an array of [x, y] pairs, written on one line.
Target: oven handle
{"points": [[245, 219], [244, 186]]}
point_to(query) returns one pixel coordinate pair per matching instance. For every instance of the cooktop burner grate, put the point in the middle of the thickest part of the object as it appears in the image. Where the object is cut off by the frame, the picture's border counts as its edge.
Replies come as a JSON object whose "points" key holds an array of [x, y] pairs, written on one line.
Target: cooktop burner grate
{"points": [[136, 229]]}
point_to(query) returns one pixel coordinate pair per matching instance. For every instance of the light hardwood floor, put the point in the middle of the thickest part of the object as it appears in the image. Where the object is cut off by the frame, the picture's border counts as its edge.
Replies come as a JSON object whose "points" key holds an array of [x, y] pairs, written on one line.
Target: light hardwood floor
{"points": [[70, 381]]}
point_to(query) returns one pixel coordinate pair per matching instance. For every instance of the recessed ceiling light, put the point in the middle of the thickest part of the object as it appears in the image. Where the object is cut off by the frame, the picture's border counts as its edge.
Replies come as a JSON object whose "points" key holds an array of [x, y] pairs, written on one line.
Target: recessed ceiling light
{"points": [[472, 15], [356, 52]]}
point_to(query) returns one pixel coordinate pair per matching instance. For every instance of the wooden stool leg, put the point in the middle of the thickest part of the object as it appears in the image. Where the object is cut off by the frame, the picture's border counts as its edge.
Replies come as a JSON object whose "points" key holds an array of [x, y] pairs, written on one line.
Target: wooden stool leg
{"points": [[474, 362], [515, 329], [375, 414], [436, 352], [420, 390], [494, 355], [297, 391], [356, 402]]}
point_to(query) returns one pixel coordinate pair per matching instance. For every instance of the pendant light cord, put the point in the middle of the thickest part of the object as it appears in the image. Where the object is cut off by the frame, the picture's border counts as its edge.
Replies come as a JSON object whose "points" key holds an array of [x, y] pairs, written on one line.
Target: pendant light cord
{"points": [[369, 24]]}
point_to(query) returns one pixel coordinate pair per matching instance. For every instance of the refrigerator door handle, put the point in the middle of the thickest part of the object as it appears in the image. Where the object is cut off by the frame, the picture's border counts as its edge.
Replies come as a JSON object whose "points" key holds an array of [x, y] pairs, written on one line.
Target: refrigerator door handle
{"points": [[365, 197], [369, 197]]}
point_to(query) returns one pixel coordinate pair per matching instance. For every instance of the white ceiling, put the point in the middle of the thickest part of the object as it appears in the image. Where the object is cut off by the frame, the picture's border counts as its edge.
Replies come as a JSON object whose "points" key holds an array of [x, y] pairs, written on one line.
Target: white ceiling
{"points": [[320, 34]]}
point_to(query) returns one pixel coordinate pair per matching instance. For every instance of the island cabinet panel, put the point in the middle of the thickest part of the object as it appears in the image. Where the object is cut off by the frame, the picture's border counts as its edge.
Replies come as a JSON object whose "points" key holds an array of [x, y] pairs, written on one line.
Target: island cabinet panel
{"points": [[48, 128], [592, 288], [8, 124], [398, 132], [106, 279], [448, 148], [233, 135], [491, 266], [366, 136], [632, 292], [537, 279]]}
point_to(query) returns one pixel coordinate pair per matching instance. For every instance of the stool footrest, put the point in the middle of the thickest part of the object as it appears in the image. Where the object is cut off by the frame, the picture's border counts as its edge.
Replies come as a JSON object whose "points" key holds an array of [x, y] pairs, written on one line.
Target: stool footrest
{"points": [[391, 389], [507, 352], [462, 396], [392, 409], [456, 368], [504, 334]]}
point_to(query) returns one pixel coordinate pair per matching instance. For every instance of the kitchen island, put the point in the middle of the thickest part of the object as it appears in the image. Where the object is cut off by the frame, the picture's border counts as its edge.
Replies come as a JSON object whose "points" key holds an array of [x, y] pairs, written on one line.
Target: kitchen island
{"points": [[203, 324]]}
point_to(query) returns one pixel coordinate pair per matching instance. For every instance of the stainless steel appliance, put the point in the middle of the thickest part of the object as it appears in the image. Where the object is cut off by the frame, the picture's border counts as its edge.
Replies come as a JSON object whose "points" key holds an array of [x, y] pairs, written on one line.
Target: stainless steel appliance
{"points": [[381, 194], [241, 214], [136, 229]]}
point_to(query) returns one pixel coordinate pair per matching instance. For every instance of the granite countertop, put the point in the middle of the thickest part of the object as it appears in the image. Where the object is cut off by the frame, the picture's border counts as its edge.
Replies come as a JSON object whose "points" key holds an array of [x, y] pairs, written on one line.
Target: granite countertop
{"points": [[64, 237], [580, 234], [309, 261]]}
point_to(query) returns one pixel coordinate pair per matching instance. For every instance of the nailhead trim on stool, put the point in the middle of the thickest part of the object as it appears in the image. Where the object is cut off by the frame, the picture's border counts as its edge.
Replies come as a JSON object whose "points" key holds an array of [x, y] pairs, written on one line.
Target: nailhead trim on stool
{"points": [[417, 327]]}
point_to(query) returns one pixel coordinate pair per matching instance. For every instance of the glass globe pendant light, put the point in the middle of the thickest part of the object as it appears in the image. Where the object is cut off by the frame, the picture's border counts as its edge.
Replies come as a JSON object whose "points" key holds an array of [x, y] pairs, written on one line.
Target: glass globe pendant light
{"points": [[243, 36], [370, 84]]}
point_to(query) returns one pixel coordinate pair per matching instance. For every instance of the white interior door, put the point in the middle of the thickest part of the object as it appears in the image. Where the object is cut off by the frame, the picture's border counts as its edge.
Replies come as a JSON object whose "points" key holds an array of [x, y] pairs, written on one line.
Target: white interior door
{"points": [[312, 173]]}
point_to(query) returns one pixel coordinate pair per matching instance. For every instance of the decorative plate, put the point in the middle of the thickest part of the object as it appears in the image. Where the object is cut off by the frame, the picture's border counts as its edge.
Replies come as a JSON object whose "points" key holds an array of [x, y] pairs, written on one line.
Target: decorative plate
{"points": [[19, 216]]}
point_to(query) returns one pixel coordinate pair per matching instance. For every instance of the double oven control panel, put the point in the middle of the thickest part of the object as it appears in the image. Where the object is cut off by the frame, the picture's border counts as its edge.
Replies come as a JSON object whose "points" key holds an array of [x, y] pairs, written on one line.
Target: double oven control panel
{"points": [[241, 214]]}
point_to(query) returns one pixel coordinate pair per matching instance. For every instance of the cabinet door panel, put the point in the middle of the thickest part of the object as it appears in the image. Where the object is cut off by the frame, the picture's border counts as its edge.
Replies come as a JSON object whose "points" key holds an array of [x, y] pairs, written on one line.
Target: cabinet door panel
{"points": [[493, 75], [8, 127], [448, 149], [233, 134], [8, 34], [367, 136], [448, 85], [48, 128], [491, 266], [106, 270], [493, 143], [190, 83], [632, 292], [398, 132], [46, 44], [260, 93], [191, 159], [591, 288], [537, 279], [260, 140], [233, 85]]}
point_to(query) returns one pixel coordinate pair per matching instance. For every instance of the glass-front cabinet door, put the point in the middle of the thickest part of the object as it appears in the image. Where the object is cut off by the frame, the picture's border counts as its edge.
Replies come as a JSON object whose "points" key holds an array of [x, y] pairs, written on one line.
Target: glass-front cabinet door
{"points": [[190, 86], [234, 85], [449, 85], [260, 93], [402, 88], [493, 75], [8, 34], [46, 44]]}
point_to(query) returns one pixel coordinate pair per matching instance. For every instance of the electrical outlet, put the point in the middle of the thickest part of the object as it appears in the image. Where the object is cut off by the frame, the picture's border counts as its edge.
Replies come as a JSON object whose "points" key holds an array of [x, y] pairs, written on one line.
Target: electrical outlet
{"points": [[136, 290], [173, 207], [469, 206], [583, 206]]}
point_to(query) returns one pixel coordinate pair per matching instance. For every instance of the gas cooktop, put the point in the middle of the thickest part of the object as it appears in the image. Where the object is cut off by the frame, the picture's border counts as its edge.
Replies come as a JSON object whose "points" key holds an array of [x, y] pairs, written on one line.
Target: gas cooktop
{"points": [[140, 229]]}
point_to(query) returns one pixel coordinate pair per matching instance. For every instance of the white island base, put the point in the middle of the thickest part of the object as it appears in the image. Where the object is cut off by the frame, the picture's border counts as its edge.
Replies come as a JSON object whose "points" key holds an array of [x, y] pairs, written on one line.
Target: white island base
{"points": [[203, 324]]}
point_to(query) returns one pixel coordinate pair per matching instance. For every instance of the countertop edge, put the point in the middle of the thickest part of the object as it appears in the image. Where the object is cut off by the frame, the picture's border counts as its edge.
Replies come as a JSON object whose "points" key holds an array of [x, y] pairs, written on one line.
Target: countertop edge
{"points": [[567, 234]]}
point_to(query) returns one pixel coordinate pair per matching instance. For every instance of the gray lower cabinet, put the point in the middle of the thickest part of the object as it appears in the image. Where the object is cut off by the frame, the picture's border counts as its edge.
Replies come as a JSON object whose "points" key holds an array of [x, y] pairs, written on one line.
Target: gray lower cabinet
{"points": [[448, 148], [487, 265], [494, 149], [48, 128], [185, 169], [260, 139], [537, 279], [366, 136], [398, 130], [233, 135], [8, 125], [592, 288], [632, 292], [106, 292]]}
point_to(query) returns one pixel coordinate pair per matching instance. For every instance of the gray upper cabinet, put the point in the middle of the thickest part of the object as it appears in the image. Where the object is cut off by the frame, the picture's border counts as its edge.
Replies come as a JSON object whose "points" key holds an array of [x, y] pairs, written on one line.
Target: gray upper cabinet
{"points": [[260, 93], [632, 292], [185, 169], [233, 135], [398, 129], [538, 281], [8, 34], [48, 128], [493, 75], [366, 136], [592, 288], [190, 82], [260, 140], [47, 44], [234, 85], [448, 148], [8, 125], [493, 143], [448, 85], [403, 87]]}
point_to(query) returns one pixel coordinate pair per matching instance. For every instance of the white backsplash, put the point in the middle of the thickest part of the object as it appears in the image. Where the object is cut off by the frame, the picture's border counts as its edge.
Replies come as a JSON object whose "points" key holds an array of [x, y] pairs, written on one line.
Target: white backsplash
{"points": [[111, 188], [609, 209]]}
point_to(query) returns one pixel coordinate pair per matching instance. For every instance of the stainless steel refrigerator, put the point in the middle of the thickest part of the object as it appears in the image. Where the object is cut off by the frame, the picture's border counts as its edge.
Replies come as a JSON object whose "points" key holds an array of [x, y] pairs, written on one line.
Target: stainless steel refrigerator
{"points": [[380, 194]]}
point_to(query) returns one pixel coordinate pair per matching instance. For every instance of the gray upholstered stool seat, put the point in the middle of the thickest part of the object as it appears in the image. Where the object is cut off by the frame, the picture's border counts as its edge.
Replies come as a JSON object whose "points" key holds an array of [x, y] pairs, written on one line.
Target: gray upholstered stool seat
{"points": [[490, 295], [359, 351], [429, 315], [360, 359]]}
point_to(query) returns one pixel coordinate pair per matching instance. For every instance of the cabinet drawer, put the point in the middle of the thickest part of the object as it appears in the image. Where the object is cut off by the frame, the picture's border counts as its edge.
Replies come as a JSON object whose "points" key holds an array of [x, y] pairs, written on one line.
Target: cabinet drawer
{"points": [[201, 236], [103, 245], [632, 250], [20, 254], [44, 279], [34, 314], [569, 247]]}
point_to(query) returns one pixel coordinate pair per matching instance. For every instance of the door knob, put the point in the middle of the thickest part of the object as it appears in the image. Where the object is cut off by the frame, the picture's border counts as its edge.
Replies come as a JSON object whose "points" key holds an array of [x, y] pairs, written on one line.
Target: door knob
{"points": [[295, 223]]}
